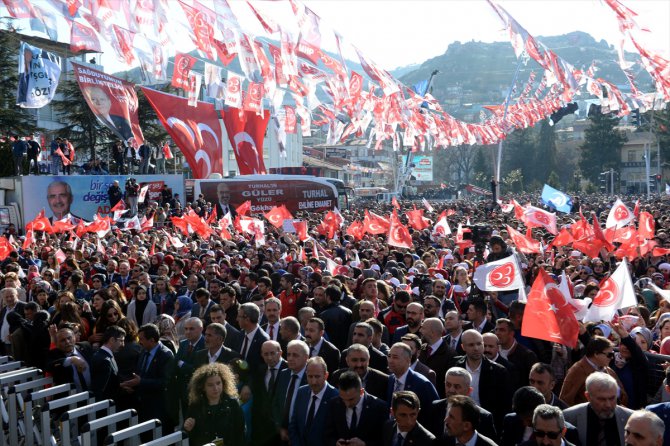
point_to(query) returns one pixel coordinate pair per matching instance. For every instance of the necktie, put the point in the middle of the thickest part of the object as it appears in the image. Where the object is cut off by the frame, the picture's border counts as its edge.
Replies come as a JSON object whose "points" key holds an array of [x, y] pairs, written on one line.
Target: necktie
{"points": [[143, 363], [354, 419], [399, 440], [398, 386], [310, 413], [245, 346], [429, 351], [190, 348], [289, 398], [311, 352], [602, 440], [80, 380], [272, 332], [271, 382]]}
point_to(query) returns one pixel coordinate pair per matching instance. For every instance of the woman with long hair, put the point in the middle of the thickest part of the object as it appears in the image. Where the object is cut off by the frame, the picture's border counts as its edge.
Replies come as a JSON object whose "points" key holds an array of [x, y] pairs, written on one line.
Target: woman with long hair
{"points": [[164, 295], [110, 314], [117, 295], [460, 289], [70, 312], [214, 411]]}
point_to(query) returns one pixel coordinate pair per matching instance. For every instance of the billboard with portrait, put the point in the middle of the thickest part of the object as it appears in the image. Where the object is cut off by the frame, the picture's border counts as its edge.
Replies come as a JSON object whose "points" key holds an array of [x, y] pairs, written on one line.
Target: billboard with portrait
{"points": [[423, 168], [84, 196]]}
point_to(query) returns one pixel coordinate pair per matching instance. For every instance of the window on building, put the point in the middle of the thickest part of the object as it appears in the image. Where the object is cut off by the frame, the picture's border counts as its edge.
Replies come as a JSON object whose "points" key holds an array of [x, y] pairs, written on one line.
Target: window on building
{"points": [[631, 156]]}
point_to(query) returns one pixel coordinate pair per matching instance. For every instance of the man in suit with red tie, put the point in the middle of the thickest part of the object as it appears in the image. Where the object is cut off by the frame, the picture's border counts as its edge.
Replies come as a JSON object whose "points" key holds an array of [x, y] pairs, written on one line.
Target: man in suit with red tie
{"points": [[356, 415], [104, 371]]}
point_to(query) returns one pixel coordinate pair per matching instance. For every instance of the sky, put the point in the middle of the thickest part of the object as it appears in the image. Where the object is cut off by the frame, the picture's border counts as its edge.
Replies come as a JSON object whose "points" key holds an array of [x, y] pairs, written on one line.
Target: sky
{"points": [[399, 32]]}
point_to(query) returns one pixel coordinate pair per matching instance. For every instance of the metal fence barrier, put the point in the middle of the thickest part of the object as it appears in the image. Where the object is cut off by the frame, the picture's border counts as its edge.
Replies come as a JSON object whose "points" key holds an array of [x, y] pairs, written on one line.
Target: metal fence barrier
{"points": [[69, 429], [132, 433], [89, 430], [178, 437]]}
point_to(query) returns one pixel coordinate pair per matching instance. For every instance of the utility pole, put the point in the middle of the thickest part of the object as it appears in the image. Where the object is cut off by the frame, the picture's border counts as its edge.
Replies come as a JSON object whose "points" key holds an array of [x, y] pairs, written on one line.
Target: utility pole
{"points": [[612, 181]]}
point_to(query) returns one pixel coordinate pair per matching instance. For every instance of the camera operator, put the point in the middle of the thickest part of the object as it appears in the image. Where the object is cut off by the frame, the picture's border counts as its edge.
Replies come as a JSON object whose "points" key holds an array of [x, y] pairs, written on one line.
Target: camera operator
{"points": [[132, 195]]}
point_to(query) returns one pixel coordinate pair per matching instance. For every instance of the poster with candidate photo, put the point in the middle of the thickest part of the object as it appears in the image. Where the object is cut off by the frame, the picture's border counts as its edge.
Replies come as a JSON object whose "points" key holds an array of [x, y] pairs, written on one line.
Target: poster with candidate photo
{"points": [[113, 101]]}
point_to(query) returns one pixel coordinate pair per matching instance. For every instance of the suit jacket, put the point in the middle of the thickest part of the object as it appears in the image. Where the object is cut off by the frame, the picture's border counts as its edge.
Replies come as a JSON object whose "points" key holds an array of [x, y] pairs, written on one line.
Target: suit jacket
{"points": [[459, 347], [118, 279], [512, 372], [234, 338], [423, 369], [152, 390], [183, 373], [523, 359], [65, 374], [330, 354], [663, 412], [231, 209], [335, 317], [263, 430], [439, 361], [195, 311], [378, 360], [299, 433], [400, 332], [574, 385], [276, 334], [254, 358], [513, 430], [418, 384], [438, 411], [225, 357], [104, 375], [419, 436], [577, 415], [279, 398], [494, 388], [373, 414]]}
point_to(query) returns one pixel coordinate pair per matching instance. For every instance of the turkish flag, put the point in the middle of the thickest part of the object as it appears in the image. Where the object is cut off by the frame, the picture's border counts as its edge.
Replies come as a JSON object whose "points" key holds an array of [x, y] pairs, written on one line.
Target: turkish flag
{"points": [[147, 224], [646, 226], [63, 225], [562, 239], [356, 229], [375, 224], [524, 244], [29, 240], [41, 223], [100, 225], [212, 217], [244, 208], [246, 131], [417, 220], [301, 230], [395, 203], [277, 215], [598, 234], [658, 252], [181, 224], [196, 131], [548, 316], [398, 235]]}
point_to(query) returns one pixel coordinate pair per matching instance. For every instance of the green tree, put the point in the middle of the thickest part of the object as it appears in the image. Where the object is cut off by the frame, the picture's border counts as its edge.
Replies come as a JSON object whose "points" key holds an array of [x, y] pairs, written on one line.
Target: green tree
{"points": [[519, 149], [83, 129], [482, 169], [545, 154], [602, 146], [553, 180]]}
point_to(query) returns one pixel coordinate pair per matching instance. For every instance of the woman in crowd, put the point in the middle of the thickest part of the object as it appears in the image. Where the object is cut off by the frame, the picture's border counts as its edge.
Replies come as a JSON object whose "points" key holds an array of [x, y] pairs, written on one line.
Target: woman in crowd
{"points": [[214, 411], [141, 310]]}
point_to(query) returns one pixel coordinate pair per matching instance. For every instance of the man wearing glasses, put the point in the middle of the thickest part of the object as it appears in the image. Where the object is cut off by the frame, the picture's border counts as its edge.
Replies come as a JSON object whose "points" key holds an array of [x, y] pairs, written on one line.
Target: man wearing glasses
{"points": [[548, 427], [599, 354]]}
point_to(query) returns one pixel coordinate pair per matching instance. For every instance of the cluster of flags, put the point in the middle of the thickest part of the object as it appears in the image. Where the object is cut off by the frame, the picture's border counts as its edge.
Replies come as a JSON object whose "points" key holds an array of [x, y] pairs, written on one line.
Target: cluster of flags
{"points": [[297, 68]]}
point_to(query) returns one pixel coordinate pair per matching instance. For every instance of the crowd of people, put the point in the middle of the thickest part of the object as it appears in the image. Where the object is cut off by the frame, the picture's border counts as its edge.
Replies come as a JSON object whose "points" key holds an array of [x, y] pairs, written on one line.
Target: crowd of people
{"points": [[269, 344]]}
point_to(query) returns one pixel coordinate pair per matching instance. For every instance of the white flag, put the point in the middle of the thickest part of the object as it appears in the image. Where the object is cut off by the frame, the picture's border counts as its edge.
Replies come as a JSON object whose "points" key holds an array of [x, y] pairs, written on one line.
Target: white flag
{"points": [[615, 293], [143, 194], [619, 215], [536, 217], [441, 228], [580, 306], [501, 275], [427, 205]]}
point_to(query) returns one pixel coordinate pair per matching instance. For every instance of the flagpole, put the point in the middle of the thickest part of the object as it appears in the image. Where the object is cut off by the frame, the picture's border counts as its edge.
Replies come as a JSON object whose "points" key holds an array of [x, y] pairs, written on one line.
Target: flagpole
{"points": [[500, 143]]}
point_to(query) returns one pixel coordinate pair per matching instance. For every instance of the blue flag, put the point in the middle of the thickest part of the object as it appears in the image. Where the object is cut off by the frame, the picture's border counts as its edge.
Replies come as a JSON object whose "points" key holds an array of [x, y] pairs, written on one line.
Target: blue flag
{"points": [[556, 199]]}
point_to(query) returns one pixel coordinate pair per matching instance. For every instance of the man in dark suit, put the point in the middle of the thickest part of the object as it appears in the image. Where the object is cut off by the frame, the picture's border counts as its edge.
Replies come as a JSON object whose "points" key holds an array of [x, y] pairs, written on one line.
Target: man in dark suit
{"points": [[492, 352], [358, 359], [334, 315], [223, 203], [185, 365], [215, 351], [312, 406], [462, 421], [517, 423], [203, 305], [542, 378], [355, 415], [192, 284], [318, 346], [413, 318], [414, 343], [104, 371], [263, 386], [69, 362], [122, 277], [403, 378], [234, 337], [436, 354], [404, 428], [272, 312], [154, 370], [457, 382], [520, 356], [290, 379], [253, 336], [454, 328], [549, 427], [10, 297], [492, 390], [476, 314], [362, 334]]}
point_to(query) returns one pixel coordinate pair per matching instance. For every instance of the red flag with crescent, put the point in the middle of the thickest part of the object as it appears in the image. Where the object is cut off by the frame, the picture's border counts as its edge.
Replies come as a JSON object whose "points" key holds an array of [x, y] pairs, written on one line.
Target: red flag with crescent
{"points": [[196, 131], [356, 229], [40, 223], [647, 226], [398, 234], [277, 215], [548, 315], [246, 131], [375, 224]]}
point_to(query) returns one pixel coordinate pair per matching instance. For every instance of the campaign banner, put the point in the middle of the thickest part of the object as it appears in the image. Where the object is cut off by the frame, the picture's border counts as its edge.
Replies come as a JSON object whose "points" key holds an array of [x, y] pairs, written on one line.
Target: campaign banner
{"points": [[39, 73], [84, 196], [112, 100], [296, 193], [423, 168]]}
